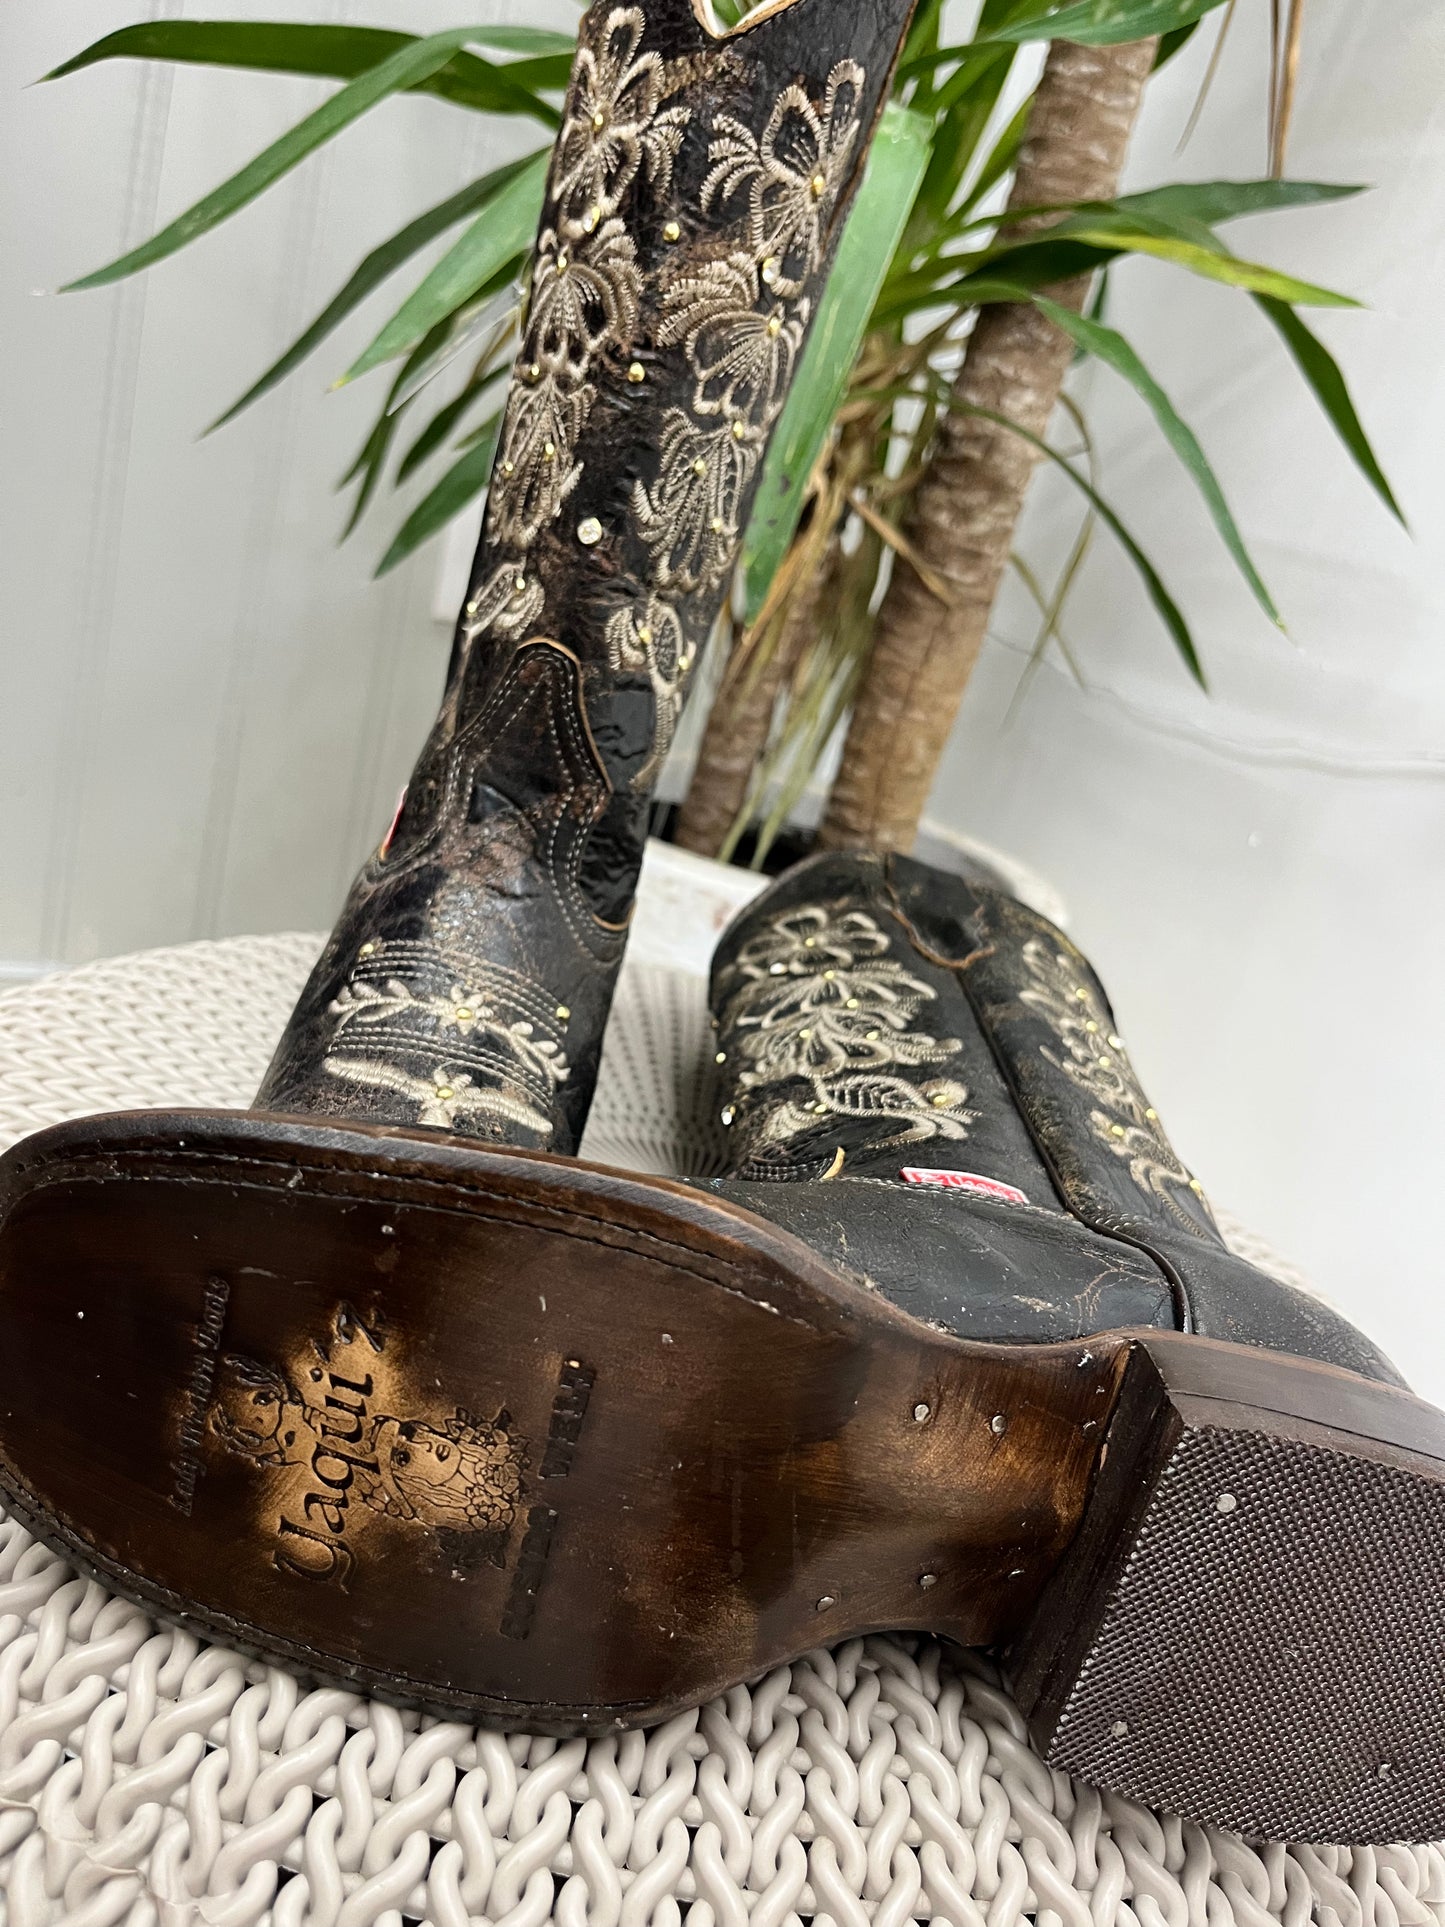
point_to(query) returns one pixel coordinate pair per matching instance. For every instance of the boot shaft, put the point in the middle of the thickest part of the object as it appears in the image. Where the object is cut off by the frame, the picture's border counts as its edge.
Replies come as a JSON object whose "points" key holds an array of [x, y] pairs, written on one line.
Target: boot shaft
{"points": [[697, 191]]}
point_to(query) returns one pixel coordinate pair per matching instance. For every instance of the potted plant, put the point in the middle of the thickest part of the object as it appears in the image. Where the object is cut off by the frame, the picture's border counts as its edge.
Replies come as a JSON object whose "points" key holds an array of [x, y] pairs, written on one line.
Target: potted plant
{"points": [[974, 272]]}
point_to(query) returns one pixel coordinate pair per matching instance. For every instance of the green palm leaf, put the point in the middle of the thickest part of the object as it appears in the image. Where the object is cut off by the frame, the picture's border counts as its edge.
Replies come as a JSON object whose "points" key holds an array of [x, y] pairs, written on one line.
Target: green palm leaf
{"points": [[440, 427], [1074, 244], [1108, 23], [1213, 201], [342, 53], [502, 230], [412, 63], [1322, 372], [1228, 268], [461, 484], [1109, 346], [377, 266], [1164, 602]]}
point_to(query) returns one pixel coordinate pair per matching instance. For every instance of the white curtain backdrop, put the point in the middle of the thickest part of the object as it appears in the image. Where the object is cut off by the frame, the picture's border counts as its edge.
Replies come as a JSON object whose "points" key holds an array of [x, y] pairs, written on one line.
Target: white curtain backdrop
{"points": [[206, 708]]}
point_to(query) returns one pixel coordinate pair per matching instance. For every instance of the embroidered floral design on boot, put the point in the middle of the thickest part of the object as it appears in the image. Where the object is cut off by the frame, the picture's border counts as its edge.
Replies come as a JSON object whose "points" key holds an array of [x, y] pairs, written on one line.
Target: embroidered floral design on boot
{"points": [[733, 316], [615, 123], [791, 174], [692, 517], [584, 294], [446, 1100], [509, 602], [536, 471], [1095, 1060], [488, 1040], [742, 355], [654, 647], [586, 284], [816, 997]]}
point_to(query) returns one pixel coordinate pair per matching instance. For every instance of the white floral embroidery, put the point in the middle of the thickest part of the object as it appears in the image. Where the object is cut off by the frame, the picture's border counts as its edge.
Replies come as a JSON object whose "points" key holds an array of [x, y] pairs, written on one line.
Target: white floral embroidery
{"points": [[741, 338], [613, 124], [741, 356], [933, 1109], [447, 1097], [826, 1040], [467, 1012], [584, 295], [691, 517], [491, 1030], [508, 601], [799, 942], [814, 995], [586, 284], [1095, 1060], [536, 468], [652, 644], [792, 174]]}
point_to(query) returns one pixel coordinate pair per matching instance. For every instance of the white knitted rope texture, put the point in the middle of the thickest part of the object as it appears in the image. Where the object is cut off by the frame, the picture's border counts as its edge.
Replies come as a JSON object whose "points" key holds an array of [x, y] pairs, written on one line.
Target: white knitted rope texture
{"points": [[148, 1778], [196, 1024]]}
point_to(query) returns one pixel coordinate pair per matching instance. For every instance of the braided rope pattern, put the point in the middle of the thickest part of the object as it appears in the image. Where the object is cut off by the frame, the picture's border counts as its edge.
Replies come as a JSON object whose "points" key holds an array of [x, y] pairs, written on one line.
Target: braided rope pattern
{"points": [[145, 1777], [193, 1025], [150, 1779]]}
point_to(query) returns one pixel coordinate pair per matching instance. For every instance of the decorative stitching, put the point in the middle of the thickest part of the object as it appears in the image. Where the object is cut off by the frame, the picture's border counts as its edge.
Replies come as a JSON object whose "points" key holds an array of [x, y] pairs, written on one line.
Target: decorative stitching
{"points": [[650, 642], [1095, 1060], [615, 123], [815, 996], [586, 284], [59, 1165], [791, 173]]}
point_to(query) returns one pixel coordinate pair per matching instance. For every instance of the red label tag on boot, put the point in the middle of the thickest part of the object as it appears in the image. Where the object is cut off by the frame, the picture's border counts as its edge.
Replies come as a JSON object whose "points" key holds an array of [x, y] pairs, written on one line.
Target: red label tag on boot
{"points": [[964, 1181], [391, 830]]}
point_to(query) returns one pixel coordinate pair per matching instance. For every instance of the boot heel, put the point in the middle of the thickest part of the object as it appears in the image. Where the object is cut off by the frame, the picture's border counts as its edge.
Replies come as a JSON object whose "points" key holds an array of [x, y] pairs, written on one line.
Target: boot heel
{"points": [[1249, 1626]]}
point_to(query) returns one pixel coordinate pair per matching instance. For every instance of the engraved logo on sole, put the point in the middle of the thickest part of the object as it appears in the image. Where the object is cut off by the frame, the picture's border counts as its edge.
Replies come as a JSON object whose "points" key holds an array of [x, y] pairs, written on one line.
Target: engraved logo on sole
{"points": [[214, 1299], [339, 1432]]}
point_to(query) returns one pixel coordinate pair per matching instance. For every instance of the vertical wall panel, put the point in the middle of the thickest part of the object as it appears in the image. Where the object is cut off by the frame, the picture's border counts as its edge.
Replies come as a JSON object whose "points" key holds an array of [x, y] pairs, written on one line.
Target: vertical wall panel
{"points": [[206, 706]]}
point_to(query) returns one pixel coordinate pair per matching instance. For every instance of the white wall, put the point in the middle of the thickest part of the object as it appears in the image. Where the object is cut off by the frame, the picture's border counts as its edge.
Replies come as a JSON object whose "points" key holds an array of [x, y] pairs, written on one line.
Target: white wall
{"points": [[205, 708], [1260, 874]]}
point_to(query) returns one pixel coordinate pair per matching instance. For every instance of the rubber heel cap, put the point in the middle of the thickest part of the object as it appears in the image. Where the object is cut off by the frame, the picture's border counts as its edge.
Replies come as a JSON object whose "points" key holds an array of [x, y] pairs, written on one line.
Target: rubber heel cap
{"points": [[1249, 1627]]}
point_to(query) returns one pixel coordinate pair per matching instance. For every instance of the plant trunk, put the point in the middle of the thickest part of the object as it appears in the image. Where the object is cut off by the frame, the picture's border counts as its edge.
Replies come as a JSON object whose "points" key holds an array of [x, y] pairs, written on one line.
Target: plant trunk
{"points": [[737, 731], [739, 724], [962, 517]]}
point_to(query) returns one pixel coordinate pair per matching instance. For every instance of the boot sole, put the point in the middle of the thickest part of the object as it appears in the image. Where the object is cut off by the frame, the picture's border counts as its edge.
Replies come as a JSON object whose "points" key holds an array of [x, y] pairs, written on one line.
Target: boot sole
{"points": [[555, 1448]]}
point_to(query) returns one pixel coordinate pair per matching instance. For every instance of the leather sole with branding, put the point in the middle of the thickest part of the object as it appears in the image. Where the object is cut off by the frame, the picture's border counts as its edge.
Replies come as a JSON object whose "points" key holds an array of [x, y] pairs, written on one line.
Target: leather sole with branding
{"points": [[561, 1449]]}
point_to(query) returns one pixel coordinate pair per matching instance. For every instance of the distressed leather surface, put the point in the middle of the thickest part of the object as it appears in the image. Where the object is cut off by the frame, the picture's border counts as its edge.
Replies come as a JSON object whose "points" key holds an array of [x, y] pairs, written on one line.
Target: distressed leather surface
{"points": [[1002, 1272], [696, 194], [910, 1018]]}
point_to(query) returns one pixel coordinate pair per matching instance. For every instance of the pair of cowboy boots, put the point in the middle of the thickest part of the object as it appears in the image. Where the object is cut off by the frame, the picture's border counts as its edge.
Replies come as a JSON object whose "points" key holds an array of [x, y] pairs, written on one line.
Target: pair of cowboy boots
{"points": [[378, 1380]]}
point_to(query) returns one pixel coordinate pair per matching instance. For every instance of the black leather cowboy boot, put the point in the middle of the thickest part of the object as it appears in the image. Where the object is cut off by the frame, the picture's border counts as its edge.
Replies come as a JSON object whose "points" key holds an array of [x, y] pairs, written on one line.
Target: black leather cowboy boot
{"points": [[507, 1435], [252, 1370], [884, 1023], [1240, 1614], [956, 1347], [696, 194]]}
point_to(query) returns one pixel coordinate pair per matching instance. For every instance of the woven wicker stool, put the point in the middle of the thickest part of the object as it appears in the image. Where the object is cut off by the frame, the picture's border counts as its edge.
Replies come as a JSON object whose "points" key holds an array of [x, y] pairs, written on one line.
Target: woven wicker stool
{"points": [[146, 1778]]}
